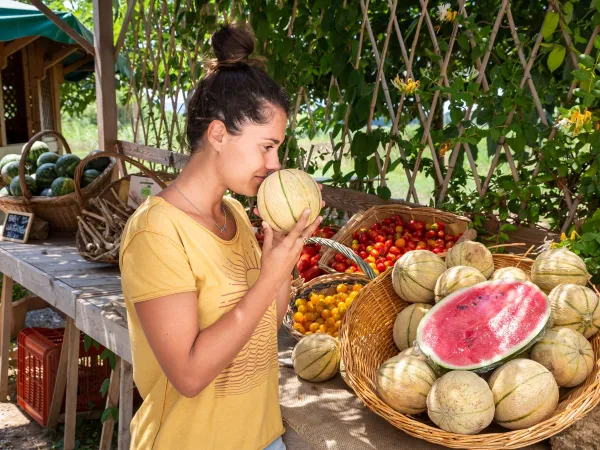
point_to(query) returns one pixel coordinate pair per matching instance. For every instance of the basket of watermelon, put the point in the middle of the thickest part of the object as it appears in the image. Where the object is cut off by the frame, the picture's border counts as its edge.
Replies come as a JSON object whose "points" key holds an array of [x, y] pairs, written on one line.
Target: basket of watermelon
{"points": [[42, 182], [477, 350], [104, 216], [382, 234]]}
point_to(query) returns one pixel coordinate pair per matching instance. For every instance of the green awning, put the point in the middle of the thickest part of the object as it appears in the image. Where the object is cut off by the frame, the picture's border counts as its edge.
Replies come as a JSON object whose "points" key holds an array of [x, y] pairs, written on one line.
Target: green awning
{"points": [[18, 20]]}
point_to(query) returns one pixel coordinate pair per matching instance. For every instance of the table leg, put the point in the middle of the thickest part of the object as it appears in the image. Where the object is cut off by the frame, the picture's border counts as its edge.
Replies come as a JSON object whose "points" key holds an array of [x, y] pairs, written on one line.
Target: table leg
{"points": [[112, 400], [5, 319], [71, 398], [61, 376], [125, 405]]}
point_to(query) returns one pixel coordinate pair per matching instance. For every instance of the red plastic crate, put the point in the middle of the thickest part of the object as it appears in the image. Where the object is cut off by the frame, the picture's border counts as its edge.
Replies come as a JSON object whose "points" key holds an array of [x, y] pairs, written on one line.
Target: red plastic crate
{"points": [[38, 356]]}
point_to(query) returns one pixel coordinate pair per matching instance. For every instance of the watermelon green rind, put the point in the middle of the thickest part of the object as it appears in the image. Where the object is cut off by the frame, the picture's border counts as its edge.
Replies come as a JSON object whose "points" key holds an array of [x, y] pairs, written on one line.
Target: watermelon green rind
{"points": [[88, 176], [62, 186], [9, 171], [426, 340], [11, 157], [67, 164], [47, 157], [98, 164], [45, 175]]}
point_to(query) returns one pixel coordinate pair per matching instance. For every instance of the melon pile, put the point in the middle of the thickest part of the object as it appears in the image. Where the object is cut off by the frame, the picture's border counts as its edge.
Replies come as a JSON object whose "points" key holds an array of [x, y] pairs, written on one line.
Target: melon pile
{"points": [[46, 173], [479, 345]]}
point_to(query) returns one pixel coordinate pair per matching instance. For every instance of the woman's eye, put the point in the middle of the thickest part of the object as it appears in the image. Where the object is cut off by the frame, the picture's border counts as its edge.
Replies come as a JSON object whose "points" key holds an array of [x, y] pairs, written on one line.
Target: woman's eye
{"points": [[268, 147]]}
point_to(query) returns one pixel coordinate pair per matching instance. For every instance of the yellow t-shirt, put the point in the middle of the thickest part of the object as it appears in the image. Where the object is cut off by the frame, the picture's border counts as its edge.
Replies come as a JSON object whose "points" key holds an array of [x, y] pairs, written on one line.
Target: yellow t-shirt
{"points": [[165, 251]]}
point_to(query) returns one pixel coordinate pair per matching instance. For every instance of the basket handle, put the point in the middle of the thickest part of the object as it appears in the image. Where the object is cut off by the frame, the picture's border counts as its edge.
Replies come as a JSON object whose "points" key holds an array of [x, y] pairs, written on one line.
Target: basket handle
{"points": [[25, 152], [81, 166], [348, 253]]}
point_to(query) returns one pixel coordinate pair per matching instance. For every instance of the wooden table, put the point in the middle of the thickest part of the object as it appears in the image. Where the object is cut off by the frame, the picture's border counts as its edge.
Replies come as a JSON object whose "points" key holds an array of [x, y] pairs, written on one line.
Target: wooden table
{"points": [[54, 271]]}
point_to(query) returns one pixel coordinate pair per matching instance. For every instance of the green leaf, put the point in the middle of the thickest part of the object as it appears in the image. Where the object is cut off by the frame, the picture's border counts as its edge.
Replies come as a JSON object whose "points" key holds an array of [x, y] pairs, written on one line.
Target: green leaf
{"points": [[550, 24], [87, 342], [106, 415], [355, 78], [556, 57], [384, 192], [508, 227], [597, 42], [104, 387], [372, 170], [568, 11]]}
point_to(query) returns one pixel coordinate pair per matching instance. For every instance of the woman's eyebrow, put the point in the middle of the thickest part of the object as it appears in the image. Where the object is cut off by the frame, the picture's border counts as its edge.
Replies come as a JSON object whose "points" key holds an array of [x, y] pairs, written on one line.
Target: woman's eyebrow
{"points": [[275, 141]]}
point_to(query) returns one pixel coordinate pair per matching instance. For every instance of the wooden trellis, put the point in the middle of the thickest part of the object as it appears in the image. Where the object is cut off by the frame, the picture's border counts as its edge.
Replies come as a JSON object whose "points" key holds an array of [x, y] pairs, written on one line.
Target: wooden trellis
{"points": [[158, 52]]}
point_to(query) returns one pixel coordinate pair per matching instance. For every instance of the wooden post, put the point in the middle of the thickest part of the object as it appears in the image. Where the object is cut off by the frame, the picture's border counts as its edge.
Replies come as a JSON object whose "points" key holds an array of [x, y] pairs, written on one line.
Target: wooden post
{"points": [[125, 405], [61, 376], [112, 401], [5, 317], [72, 378], [57, 79], [2, 121], [105, 74]]}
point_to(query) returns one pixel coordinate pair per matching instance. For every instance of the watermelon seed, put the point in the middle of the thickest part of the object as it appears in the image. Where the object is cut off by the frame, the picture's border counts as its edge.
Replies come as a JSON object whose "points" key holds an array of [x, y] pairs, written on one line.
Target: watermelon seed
{"points": [[462, 307]]}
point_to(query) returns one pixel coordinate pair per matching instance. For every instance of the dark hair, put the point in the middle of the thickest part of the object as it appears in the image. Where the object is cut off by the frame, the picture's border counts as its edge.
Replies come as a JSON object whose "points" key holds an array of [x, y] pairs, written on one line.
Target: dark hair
{"points": [[235, 88]]}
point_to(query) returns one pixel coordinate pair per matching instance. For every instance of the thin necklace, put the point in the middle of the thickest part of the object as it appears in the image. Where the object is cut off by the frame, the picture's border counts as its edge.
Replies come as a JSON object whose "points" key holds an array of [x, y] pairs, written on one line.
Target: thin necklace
{"points": [[222, 228]]}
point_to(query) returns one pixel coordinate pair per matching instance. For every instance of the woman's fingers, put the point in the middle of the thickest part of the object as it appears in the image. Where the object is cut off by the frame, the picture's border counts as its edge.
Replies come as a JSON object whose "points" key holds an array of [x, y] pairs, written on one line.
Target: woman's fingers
{"points": [[268, 239], [299, 227], [256, 213]]}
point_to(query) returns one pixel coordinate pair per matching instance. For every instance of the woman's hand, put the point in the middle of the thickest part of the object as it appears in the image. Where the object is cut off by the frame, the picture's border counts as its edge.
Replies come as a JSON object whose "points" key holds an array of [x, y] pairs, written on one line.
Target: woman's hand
{"points": [[280, 254]]}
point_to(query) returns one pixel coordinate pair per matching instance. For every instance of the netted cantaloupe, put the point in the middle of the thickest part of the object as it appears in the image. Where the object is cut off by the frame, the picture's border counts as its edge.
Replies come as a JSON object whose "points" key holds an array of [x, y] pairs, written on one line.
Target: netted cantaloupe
{"points": [[576, 307], [456, 278], [284, 195], [510, 273], [525, 394], [407, 321], [567, 354], [558, 266], [461, 402], [414, 275], [316, 357], [403, 383], [472, 254]]}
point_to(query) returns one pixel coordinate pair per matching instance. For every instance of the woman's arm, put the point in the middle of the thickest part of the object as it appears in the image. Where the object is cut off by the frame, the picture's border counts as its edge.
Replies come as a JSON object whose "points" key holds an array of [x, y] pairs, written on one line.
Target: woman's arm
{"points": [[283, 300]]}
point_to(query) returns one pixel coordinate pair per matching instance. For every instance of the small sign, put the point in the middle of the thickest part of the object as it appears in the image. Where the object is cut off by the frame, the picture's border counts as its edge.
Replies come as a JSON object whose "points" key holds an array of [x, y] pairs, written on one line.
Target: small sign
{"points": [[139, 189], [16, 226]]}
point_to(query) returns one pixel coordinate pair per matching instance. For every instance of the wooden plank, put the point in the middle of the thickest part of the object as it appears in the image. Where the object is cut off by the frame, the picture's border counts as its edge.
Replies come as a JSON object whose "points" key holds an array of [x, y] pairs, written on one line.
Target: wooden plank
{"points": [[5, 319], [77, 64], [91, 320], [124, 27], [157, 155], [71, 396], [18, 44], [106, 99], [60, 55], [125, 405], [3, 141], [112, 401], [35, 75], [55, 292], [64, 26], [27, 91], [56, 78], [61, 378]]}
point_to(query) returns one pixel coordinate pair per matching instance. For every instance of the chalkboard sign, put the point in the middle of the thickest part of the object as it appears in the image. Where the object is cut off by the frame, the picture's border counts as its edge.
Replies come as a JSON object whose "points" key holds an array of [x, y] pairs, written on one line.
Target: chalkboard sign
{"points": [[16, 226]]}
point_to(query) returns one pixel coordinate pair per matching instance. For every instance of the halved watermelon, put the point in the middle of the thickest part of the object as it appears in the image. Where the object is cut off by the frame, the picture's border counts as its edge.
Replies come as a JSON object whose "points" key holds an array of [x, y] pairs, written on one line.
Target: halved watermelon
{"points": [[478, 328]]}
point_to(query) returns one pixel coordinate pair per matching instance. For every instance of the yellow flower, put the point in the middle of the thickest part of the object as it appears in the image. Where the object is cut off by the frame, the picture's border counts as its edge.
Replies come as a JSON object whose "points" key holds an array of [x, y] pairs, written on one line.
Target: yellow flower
{"points": [[563, 237], [444, 147], [445, 14], [407, 87], [573, 235]]}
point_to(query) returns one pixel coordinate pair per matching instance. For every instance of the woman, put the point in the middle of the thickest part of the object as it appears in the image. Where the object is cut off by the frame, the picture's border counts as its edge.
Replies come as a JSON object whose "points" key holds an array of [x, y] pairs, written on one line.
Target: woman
{"points": [[203, 304]]}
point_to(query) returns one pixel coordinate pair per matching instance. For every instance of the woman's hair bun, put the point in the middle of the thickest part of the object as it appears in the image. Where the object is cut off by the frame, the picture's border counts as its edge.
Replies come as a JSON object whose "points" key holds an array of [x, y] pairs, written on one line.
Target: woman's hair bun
{"points": [[232, 45]]}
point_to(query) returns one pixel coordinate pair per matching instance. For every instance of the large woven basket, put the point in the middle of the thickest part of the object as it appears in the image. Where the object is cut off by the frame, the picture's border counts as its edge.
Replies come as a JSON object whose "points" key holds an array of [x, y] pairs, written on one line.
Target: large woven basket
{"points": [[454, 224], [318, 284], [60, 212], [111, 193], [366, 340]]}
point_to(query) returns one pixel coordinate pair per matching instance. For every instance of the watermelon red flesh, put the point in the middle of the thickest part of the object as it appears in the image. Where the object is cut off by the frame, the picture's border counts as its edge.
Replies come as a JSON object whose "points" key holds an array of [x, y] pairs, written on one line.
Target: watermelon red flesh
{"points": [[477, 327]]}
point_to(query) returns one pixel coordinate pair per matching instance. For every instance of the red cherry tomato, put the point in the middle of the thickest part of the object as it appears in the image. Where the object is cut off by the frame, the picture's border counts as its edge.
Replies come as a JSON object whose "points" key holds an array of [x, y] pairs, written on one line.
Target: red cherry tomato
{"points": [[315, 260], [363, 254], [440, 243], [339, 257], [449, 244], [430, 234], [380, 238], [391, 257], [394, 250], [400, 243], [374, 253], [437, 250], [421, 245], [311, 273], [378, 246], [449, 238], [441, 234], [441, 226], [411, 245]]}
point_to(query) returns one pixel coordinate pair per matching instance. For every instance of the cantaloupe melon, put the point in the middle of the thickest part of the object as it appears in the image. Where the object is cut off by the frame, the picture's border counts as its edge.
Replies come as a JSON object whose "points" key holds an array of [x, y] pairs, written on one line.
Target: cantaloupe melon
{"points": [[461, 402], [456, 278], [511, 273], [525, 394], [407, 321], [576, 307], [414, 275], [472, 254], [284, 195], [316, 357], [567, 354], [403, 382], [558, 266]]}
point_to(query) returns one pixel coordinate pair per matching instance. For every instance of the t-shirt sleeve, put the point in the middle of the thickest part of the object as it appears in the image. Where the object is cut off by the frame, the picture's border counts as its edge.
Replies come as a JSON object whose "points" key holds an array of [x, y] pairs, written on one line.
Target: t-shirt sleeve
{"points": [[153, 265]]}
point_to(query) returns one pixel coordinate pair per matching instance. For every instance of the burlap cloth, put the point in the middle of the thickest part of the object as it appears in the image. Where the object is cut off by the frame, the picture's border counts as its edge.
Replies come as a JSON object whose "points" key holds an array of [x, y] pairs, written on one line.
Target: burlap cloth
{"points": [[328, 416]]}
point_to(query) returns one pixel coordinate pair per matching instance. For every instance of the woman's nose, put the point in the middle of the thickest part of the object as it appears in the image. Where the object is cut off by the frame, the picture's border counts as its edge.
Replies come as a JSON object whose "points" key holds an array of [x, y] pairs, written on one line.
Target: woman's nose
{"points": [[272, 163]]}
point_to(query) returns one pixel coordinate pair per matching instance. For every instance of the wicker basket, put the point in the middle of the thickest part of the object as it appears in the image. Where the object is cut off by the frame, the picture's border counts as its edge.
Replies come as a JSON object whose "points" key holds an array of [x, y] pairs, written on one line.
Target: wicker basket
{"points": [[367, 341], [60, 212], [316, 284], [109, 193], [454, 224]]}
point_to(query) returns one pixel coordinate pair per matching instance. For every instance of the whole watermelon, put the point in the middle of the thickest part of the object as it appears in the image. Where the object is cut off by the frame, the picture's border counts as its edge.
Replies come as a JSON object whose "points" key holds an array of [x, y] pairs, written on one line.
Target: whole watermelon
{"points": [[98, 164], [47, 157], [62, 186], [9, 171], [66, 165], [45, 175], [46, 192], [4, 192], [36, 151], [89, 176], [15, 186], [9, 158]]}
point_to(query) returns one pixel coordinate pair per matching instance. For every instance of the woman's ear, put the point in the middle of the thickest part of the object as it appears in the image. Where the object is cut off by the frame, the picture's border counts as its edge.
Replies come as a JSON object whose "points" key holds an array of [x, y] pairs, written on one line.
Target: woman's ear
{"points": [[216, 134]]}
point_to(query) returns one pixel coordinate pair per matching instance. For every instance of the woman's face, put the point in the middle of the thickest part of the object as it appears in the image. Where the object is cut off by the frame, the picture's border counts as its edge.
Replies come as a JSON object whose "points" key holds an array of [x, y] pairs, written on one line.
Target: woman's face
{"points": [[246, 159]]}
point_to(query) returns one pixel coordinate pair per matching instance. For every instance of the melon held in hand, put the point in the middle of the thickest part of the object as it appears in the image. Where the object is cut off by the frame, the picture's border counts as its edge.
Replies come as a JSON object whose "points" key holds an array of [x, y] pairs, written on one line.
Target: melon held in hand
{"points": [[284, 195]]}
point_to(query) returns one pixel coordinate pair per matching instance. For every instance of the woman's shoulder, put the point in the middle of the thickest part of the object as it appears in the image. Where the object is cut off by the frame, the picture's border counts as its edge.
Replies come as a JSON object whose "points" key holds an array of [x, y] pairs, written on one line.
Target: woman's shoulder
{"points": [[155, 216]]}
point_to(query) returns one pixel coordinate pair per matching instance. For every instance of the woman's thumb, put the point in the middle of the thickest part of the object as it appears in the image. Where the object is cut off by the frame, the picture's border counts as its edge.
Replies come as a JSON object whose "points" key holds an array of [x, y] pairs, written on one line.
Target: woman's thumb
{"points": [[268, 232]]}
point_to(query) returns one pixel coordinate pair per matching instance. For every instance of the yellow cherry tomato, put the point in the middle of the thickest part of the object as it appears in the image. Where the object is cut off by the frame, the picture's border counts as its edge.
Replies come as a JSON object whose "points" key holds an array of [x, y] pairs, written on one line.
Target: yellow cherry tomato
{"points": [[341, 288], [314, 327], [298, 317], [302, 309]]}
